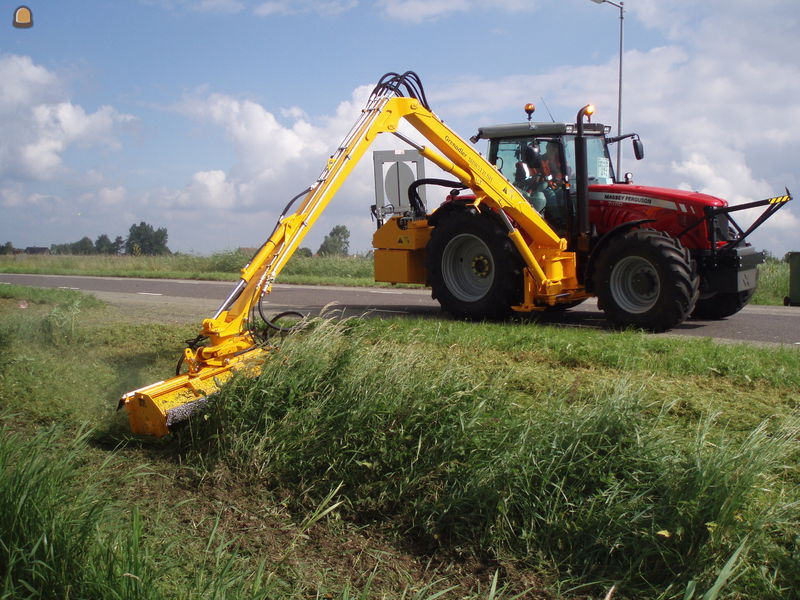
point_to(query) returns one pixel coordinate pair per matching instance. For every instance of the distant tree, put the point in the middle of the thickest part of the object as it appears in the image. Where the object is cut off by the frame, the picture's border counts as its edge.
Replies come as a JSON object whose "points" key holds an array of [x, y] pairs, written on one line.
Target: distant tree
{"points": [[304, 252], [118, 245], [144, 239], [83, 246], [336, 243], [103, 245], [7, 248]]}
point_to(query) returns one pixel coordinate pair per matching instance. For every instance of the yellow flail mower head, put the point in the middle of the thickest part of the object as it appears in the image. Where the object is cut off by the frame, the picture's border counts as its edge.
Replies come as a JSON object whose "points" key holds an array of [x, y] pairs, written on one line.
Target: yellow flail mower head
{"points": [[155, 409], [233, 341]]}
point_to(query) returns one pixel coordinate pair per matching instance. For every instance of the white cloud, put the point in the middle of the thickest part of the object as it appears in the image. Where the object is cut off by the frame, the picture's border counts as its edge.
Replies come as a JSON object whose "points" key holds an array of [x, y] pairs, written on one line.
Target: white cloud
{"points": [[201, 6], [417, 11], [12, 197], [260, 8], [208, 189], [219, 6], [46, 198], [15, 197], [112, 196], [288, 7], [270, 154], [23, 83], [276, 158], [51, 128], [39, 125], [413, 11]]}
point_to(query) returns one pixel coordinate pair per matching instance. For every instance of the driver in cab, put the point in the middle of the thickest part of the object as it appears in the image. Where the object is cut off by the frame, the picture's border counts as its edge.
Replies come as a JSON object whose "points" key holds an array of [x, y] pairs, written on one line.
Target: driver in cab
{"points": [[539, 176]]}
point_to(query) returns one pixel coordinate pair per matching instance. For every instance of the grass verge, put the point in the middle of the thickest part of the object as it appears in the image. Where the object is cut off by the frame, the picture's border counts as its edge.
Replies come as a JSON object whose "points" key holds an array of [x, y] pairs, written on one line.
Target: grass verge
{"points": [[406, 458], [602, 487]]}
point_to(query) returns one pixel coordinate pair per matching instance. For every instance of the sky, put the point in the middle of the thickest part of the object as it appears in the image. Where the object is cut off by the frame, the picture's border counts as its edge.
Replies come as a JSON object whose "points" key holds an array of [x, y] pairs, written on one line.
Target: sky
{"points": [[206, 116]]}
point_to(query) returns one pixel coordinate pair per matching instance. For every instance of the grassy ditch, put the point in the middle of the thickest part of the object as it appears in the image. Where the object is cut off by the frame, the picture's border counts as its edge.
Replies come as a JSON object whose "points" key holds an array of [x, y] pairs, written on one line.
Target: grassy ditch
{"points": [[591, 484], [64, 535], [401, 458]]}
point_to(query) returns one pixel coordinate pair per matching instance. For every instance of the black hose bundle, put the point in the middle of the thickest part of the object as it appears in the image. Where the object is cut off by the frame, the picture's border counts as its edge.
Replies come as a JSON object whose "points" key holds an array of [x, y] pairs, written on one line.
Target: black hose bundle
{"points": [[408, 84]]}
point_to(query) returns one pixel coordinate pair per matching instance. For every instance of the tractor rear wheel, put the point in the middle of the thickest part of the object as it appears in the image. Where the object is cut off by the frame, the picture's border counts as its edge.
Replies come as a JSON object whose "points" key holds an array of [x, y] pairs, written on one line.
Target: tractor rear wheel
{"points": [[473, 268], [645, 278]]}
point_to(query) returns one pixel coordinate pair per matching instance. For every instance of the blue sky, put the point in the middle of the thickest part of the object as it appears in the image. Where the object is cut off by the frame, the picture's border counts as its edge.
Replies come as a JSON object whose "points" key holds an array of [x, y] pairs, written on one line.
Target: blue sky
{"points": [[205, 116]]}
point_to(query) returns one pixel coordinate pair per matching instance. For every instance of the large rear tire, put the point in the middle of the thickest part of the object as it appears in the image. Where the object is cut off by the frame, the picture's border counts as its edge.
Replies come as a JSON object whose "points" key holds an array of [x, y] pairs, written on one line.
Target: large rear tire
{"points": [[645, 278], [473, 268]]}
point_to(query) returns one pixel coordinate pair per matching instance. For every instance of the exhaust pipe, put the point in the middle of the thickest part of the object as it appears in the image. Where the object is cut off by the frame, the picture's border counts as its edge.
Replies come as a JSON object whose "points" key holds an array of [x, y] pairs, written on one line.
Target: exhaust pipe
{"points": [[583, 230]]}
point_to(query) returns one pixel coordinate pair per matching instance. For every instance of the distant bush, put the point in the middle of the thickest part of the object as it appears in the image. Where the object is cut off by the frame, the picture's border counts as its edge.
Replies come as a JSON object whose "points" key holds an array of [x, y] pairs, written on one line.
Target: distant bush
{"points": [[230, 261]]}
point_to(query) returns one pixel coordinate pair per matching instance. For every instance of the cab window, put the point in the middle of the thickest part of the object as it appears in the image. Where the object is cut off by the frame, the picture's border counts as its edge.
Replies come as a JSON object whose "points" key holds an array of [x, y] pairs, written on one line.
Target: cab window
{"points": [[535, 165], [598, 164]]}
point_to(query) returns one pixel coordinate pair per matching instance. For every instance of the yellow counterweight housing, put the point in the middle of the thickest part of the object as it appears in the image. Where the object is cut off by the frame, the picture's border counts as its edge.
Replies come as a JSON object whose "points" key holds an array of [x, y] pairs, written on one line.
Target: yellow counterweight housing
{"points": [[400, 250]]}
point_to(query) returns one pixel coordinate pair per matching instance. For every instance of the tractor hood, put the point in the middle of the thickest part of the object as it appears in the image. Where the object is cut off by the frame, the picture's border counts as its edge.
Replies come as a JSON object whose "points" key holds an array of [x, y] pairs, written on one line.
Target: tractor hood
{"points": [[653, 196]]}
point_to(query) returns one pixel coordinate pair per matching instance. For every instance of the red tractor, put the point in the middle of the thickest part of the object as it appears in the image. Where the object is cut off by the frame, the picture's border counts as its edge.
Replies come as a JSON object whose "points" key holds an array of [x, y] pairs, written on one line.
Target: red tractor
{"points": [[634, 242]]}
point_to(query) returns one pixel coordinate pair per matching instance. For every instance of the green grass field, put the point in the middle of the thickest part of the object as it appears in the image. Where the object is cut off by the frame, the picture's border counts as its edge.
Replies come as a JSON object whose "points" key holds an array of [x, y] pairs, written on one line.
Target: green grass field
{"points": [[397, 459], [223, 266]]}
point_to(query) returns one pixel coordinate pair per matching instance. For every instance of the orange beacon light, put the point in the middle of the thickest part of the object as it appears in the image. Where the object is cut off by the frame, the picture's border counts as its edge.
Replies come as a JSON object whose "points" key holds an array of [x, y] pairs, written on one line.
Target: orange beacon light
{"points": [[23, 17]]}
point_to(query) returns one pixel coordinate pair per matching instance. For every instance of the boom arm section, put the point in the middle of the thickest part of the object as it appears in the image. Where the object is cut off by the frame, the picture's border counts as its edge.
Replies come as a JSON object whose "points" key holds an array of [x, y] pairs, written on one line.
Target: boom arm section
{"points": [[230, 341]]}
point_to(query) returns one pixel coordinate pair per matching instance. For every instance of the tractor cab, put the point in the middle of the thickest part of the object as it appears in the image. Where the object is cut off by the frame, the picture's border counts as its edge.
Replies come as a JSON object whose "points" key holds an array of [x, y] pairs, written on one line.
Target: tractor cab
{"points": [[539, 159]]}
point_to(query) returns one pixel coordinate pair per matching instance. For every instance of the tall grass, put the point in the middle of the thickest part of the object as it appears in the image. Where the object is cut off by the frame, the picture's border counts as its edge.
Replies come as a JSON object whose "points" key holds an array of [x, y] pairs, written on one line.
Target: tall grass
{"points": [[52, 514], [61, 537], [598, 489], [773, 283]]}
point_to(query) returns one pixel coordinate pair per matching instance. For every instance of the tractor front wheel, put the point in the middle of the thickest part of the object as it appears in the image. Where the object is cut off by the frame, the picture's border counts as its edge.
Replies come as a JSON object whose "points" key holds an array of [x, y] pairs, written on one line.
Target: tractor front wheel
{"points": [[722, 304], [645, 279], [473, 268]]}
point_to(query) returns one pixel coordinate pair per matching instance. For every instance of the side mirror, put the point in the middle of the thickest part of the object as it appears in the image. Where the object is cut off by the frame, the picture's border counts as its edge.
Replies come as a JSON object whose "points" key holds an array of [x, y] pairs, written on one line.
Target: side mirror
{"points": [[638, 148]]}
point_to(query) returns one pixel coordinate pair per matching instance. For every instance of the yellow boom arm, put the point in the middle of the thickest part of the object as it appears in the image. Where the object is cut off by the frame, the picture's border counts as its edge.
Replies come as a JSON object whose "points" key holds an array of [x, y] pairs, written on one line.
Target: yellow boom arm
{"points": [[231, 345]]}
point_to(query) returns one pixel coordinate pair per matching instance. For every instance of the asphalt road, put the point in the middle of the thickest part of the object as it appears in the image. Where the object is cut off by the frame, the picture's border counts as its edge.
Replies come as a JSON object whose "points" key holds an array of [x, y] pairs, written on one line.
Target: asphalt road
{"points": [[173, 300]]}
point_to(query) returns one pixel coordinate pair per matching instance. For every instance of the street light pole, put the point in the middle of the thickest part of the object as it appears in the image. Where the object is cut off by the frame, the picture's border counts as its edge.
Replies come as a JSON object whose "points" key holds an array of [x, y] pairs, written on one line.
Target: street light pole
{"points": [[621, 8]]}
